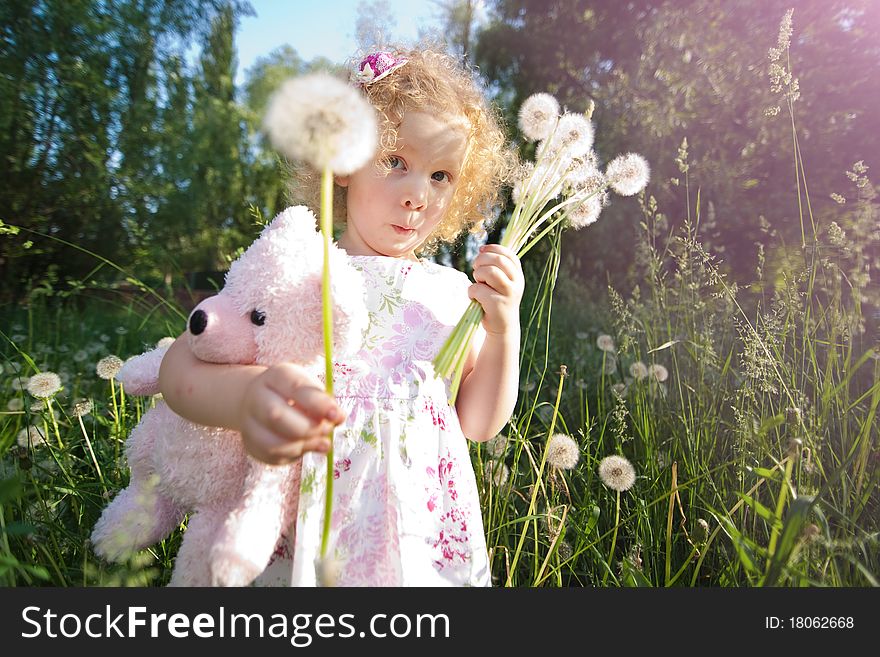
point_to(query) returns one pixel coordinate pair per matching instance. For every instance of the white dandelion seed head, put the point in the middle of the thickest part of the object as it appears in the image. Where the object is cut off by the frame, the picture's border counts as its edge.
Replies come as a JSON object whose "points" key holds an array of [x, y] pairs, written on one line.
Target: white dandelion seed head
{"points": [[606, 343], [638, 370], [15, 404], [563, 452], [19, 383], [573, 136], [165, 342], [44, 385], [80, 356], [527, 386], [521, 181], [82, 408], [587, 212], [496, 472], [619, 389], [617, 473], [537, 116], [108, 367], [594, 184], [323, 121], [31, 436], [496, 447], [658, 372], [628, 174]]}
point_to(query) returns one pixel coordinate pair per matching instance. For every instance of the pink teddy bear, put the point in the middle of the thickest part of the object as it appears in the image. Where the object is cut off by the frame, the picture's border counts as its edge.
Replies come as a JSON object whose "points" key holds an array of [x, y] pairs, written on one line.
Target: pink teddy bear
{"points": [[268, 312]]}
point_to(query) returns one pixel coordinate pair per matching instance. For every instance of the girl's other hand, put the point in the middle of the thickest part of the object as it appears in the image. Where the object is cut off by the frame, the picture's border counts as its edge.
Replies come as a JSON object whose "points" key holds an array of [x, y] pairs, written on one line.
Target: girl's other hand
{"points": [[285, 412], [499, 288]]}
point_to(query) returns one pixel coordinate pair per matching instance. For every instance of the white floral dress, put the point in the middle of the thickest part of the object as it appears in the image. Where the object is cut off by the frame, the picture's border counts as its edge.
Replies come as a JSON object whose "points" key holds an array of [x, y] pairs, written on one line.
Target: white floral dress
{"points": [[406, 511]]}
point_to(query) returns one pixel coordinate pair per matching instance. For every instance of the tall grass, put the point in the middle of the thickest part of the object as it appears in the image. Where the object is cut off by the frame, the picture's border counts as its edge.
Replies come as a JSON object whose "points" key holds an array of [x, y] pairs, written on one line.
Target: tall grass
{"points": [[749, 415]]}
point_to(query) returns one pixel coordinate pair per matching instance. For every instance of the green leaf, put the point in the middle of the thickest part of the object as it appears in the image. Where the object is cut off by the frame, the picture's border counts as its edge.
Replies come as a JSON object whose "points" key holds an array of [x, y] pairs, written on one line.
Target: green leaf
{"points": [[747, 551], [791, 531], [772, 475], [760, 509], [663, 346], [633, 577], [771, 423]]}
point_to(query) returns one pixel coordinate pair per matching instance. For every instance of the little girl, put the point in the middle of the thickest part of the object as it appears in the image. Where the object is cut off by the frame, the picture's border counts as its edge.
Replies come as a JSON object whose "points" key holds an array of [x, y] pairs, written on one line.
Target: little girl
{"points": [[406, 510]]}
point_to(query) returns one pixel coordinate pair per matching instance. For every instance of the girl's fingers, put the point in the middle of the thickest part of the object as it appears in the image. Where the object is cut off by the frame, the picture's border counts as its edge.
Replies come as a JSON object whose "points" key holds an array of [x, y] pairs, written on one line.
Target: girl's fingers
{"points": [[268, 447], [495, 278], [485, 295], [292, 382], [286, 421], [505, 264]]}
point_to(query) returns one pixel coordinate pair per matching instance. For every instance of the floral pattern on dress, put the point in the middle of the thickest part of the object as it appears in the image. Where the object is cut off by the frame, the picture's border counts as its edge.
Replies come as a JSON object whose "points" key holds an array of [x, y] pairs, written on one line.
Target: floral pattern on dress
{"points": [[406, 508]]}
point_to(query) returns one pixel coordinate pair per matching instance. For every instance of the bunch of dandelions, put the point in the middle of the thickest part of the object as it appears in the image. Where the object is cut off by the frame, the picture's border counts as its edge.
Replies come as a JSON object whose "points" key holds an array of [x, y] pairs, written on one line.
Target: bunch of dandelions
{"points": [[324, 122], [564, 185]]}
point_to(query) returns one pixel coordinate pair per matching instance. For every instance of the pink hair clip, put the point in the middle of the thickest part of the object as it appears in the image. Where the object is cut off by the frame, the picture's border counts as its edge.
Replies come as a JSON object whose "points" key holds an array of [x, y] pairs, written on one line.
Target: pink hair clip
{"points": [[376, 66]]}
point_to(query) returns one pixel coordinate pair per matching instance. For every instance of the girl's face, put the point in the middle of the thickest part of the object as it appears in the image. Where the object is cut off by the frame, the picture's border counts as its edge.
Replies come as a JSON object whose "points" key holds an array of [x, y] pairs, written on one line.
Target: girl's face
{"points": [[393, 214]]}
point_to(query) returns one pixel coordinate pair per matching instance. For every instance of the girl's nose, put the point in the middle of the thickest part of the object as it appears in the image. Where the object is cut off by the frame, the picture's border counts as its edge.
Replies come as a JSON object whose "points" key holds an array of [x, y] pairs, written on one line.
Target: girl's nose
{"points": [[415, 198]]}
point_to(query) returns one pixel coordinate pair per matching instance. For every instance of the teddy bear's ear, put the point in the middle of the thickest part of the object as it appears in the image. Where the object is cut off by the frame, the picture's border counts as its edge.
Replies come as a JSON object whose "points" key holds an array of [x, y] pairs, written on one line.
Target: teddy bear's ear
{"points": [[297, 218]]}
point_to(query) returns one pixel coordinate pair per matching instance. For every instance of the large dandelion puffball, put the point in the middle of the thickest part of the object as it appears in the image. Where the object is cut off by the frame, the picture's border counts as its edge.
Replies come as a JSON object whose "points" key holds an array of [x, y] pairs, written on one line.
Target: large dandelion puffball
{"points": [[563, 452], [108, 367], [573, 136], [537, 116], [606, 343], [659, 372], [628, 174], [44, 385], [638, 370], [587, 212], [617, 473], [323, 121]]}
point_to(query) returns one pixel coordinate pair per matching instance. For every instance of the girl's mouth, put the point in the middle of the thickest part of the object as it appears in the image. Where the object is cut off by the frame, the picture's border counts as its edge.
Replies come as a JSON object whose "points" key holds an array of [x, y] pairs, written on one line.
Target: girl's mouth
{"points": [[400, 230]]}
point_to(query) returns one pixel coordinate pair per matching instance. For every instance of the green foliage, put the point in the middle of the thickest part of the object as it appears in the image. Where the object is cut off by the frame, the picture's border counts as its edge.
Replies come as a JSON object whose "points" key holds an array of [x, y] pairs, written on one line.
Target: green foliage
{"points": [[660, 71]]}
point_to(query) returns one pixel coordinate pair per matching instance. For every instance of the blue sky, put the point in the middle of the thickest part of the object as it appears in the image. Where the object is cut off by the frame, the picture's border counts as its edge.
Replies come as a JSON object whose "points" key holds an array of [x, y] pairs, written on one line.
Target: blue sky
{"points": [[320, 27]]}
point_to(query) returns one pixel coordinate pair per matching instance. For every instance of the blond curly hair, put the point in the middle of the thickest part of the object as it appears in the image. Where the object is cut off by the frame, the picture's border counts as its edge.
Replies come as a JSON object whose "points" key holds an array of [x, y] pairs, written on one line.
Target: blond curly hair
{"points": [[435, 82]]}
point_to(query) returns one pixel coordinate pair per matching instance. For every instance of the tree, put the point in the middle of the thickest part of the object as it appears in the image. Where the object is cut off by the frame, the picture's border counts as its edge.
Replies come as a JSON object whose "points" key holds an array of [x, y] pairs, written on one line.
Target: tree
{"points": [[662, 71], [81, 110]]}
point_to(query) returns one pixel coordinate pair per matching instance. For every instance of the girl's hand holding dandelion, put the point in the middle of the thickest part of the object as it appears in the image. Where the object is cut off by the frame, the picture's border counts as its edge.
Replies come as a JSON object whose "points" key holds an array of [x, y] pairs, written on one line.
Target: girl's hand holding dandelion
{"points": [[564, 186]]}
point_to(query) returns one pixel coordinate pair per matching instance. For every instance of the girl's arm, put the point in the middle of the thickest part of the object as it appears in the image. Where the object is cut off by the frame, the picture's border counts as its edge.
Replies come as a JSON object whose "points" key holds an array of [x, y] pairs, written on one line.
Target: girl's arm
{"points": [[281, 411], [489, 386]]}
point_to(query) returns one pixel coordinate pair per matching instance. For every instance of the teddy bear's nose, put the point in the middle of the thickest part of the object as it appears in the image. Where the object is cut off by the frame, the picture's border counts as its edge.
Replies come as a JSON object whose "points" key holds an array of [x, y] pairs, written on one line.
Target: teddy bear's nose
{"points": [[197, 322]]}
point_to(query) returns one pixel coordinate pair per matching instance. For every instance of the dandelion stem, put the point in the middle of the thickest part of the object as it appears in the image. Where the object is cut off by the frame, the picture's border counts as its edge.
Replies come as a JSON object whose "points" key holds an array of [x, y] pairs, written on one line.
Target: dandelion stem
{"points": [[327, 314], [92, 453], [537, 485], [51, 414], [613, 540]]}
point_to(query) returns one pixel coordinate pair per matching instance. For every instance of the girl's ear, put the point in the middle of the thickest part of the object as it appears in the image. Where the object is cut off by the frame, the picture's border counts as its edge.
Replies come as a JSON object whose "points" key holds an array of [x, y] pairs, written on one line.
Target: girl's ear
{"points": [[342, 181]]}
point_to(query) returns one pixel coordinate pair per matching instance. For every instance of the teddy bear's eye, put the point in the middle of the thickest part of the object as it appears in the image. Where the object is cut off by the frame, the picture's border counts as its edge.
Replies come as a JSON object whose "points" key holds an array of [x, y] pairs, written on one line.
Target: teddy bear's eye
{"points": [[258, 318]]}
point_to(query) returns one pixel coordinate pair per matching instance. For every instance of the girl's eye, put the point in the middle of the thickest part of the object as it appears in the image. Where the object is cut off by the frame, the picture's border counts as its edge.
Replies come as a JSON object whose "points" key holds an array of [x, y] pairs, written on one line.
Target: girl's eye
{"points": [[440, 176], [394, 162]]}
